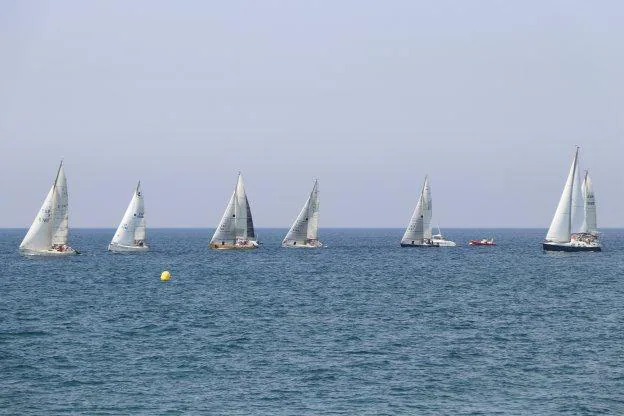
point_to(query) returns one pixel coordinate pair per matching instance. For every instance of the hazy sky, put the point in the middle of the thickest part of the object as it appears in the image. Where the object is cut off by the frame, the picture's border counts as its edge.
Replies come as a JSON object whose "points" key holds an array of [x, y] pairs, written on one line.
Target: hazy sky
{"points": [[487, 97]]}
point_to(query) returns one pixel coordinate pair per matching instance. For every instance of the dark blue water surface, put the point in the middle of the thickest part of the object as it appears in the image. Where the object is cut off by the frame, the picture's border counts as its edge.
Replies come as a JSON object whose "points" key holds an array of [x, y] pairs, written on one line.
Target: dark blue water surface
{"points": [[360, 327]]}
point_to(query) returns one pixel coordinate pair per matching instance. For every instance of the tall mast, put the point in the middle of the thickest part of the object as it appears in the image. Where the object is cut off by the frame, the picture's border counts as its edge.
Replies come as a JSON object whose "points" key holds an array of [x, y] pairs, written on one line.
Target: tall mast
{"points": [[58, 172], [422, 193], [237, 209], [575, 164], [54, 202]]}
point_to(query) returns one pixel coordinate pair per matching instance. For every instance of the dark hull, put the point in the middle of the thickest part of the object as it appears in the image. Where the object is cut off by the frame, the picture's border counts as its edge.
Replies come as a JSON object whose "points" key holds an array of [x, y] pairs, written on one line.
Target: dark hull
{"points": [[420, 245], [554, 247]]}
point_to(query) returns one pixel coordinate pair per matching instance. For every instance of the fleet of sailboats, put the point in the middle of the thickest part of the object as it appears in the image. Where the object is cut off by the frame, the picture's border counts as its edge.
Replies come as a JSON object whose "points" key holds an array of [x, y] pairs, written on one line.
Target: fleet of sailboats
{"points": [[418, 232], [49, 233], [573, 227], [131, 234], [236, 229], [304, 231]]}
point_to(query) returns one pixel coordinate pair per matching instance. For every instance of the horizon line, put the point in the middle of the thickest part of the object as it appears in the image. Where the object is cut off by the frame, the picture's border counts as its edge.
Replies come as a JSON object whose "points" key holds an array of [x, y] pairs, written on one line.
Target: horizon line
{"points": [[323, 228]]}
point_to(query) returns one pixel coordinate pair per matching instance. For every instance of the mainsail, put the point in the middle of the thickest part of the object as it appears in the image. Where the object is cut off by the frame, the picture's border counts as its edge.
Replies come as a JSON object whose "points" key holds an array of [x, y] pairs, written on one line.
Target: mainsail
{"points": [[131, 230], [419, 227], [226, 230], [305, 228], [237, 222], [578, 205], [51, 225], [589, 225], [560, 228]]}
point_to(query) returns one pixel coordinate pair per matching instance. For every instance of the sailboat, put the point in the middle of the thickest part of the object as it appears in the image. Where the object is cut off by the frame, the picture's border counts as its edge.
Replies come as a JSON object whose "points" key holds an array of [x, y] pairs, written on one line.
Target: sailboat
{"points": [[236, 229], [418, 232], [304, 231], [48, 234], [565, 233], [130, 235]]}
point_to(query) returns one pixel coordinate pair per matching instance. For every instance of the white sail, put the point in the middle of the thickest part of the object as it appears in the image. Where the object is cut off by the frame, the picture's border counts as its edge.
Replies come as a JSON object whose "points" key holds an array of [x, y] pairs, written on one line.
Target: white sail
{"points": [[237, 222], [427, 209], [39, 235], [305, 227], [590, 225], [561, 226], [51, 225], [60, 232], [226, 230], [419, 227], [313, 209], [242, 211], [131, 230], [140, 233], [578, 205]]}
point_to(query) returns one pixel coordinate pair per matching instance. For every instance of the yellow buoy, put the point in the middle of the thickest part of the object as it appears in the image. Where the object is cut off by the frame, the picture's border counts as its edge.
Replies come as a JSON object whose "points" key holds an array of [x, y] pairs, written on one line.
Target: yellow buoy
{"points": [[165, 276]]}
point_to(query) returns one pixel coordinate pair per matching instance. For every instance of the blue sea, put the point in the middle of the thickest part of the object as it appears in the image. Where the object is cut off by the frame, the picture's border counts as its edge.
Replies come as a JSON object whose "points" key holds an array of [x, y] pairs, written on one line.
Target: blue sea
{"points": [[361, 327]]}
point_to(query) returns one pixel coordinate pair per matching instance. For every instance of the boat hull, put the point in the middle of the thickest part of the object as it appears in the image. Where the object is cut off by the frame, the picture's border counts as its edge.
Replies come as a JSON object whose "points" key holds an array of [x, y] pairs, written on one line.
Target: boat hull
{"points": [[567, 247], [444, 243], [127, 249], [248, 246], [49, 253], [293, 244], [421, 245]]}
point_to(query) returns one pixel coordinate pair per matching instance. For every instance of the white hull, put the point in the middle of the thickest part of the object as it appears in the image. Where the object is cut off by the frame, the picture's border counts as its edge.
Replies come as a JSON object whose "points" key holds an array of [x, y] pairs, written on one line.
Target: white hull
{"points": [[434, 242], [416, 244], [127, 249], [49, 253], [444, 243], [440, 241], [310, 244], [249, 245]]}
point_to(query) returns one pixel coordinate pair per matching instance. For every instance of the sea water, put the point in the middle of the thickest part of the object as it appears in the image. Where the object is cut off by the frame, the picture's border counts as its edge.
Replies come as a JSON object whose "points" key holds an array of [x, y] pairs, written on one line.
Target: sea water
{"points": [[359, 327]]}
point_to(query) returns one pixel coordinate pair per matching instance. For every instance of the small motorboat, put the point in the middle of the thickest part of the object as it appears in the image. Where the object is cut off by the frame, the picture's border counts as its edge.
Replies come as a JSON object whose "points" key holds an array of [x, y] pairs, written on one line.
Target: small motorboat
{"points": [[482, 242], [438, 240]]}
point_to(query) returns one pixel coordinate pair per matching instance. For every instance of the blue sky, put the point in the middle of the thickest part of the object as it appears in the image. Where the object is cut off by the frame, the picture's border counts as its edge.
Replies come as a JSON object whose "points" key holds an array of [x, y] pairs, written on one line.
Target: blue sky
{"points": [[487, 97]]}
